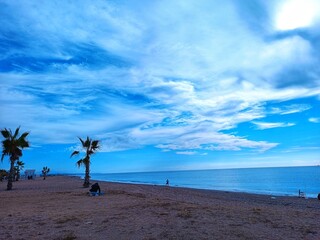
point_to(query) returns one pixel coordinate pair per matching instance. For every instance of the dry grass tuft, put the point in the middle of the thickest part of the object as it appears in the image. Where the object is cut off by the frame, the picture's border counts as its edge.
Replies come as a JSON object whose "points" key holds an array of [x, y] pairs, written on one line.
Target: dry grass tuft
{"points": [[69, 236], [185, 213], [116, 192], [66, 219], [257, 211]]}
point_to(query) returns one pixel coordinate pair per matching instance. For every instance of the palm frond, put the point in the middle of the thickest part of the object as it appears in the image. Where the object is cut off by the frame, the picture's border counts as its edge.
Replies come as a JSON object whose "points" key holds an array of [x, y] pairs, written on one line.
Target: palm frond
{"points": [[16, 132], [6, 145], [87, 143], [45, 170], [74, 153], [79, 162], [10, 134], [22, 142], [5, 133], [20, 163], [95, 144], [2, 157], [24, 135], [82, 142]]}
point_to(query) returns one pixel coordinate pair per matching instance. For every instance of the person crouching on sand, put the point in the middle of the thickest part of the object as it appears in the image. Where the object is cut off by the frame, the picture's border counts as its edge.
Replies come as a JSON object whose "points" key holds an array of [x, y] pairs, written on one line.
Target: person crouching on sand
{"points": [[95, 189]]}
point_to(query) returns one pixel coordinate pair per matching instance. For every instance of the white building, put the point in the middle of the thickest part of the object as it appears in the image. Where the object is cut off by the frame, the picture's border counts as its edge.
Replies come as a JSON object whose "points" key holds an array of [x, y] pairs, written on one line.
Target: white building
{"points": [[29, 174]]}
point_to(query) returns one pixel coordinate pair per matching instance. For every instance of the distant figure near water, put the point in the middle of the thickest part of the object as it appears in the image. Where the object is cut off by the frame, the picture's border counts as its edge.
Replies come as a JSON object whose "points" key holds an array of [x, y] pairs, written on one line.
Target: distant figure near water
{"points": [[167, 182], [302, 194]]}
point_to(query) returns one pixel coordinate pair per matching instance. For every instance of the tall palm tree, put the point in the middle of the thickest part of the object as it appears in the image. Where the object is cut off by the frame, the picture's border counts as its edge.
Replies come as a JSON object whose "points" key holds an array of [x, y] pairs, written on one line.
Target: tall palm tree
{"points": [[90, 146], [19, 166], [12, 146]]}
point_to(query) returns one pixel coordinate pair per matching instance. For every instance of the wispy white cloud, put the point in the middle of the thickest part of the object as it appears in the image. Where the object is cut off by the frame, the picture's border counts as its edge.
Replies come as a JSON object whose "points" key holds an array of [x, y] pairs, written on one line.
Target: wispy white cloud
{"points": [[302, 149], [314, 120], [267, 125], [289, 109], [200, 137], [186, 153]]}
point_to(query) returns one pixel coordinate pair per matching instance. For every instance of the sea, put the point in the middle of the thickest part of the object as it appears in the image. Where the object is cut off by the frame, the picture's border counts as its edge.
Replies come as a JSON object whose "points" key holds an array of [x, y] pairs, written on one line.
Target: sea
{"points": [[277, 181]]}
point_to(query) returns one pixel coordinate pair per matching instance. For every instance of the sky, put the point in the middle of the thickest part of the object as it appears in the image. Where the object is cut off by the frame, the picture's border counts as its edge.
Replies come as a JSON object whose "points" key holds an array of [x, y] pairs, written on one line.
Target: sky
{"points": [[164, 85]]}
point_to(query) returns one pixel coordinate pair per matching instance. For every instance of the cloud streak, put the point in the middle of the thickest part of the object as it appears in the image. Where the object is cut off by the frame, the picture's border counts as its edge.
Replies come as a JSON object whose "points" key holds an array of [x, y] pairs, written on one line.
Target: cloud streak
{"points": [[290, 109], [314, 120], [268, 125]]}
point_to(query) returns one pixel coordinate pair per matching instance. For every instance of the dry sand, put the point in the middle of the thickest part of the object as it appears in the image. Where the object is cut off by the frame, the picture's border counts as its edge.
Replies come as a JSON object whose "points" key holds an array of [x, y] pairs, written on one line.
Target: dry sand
{"points": [[59, 208]]}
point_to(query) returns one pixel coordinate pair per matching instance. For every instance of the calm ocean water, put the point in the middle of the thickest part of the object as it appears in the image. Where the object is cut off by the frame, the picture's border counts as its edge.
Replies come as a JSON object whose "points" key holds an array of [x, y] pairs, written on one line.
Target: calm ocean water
{"points": [[284, 181]]}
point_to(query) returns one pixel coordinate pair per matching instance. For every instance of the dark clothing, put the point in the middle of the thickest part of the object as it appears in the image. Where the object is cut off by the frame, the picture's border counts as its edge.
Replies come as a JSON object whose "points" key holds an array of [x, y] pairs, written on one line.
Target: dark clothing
{"points": [[95, 188]]}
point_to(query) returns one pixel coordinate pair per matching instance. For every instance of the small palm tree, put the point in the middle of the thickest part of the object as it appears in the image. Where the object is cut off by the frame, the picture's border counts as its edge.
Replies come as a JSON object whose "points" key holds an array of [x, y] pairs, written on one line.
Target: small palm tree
{"points": [[12, 146], [45, 171], [19, 166], [3, 174], [90, 146]]}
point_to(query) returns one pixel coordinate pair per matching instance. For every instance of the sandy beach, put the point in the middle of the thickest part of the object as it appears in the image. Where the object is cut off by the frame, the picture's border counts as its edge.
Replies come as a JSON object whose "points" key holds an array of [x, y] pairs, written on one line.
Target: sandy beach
{"points": [[59, 208]]}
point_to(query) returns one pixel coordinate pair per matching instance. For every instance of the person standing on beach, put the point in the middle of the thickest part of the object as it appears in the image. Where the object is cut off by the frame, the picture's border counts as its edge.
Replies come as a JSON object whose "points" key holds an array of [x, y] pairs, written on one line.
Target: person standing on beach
{"points": [[167, 182]]}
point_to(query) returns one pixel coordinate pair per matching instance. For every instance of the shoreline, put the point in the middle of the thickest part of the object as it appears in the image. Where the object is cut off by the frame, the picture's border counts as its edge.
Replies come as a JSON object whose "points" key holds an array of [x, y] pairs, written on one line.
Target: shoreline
{"points": [[273, 196], [270, 198], [279, 181], [311, 196], [92, 181], [59, 208], [215, 190]]}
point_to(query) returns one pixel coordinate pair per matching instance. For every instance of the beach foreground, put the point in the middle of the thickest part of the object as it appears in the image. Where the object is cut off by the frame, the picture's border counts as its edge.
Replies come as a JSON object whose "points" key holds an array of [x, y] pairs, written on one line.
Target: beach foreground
{"points": [[59, 208]]}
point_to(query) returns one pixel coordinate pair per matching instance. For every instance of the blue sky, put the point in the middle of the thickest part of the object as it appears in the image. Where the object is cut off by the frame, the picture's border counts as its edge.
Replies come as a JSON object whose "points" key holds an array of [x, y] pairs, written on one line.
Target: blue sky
{"points": [[165, 85]]}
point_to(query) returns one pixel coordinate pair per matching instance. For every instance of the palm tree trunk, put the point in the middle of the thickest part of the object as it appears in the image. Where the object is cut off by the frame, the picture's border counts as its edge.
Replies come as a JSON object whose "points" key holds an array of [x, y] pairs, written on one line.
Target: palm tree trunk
{"points": [[87, 176], [18, 175], [11, 174]]}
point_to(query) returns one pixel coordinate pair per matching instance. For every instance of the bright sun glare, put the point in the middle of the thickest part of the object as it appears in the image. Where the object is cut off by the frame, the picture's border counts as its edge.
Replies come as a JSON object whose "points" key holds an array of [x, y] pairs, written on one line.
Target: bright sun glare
{"points": [[293, 14]]}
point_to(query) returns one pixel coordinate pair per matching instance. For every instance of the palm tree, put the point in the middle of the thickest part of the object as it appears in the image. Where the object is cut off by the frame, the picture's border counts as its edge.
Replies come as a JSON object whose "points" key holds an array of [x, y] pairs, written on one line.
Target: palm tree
{"points": [[45, 171], [90, 146], [12, 146], [19, 166], [3, 174]]}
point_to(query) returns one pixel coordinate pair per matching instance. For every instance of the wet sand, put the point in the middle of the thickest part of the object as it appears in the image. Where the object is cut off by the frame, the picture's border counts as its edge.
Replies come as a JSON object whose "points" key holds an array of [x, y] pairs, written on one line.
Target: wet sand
{"points": [[59, 208]]}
